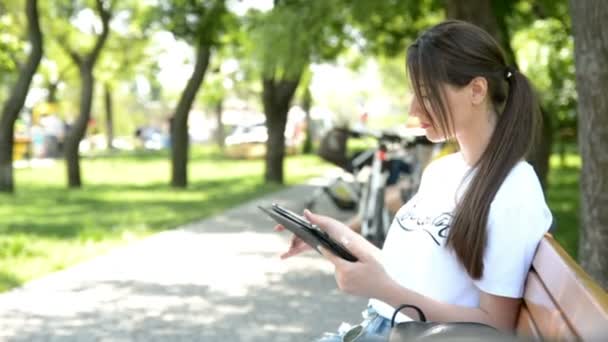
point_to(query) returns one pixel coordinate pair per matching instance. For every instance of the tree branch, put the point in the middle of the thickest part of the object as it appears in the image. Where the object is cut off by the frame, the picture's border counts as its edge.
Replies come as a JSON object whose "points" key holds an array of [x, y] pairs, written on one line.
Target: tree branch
{"points": [[65, 46], [105, 15]]}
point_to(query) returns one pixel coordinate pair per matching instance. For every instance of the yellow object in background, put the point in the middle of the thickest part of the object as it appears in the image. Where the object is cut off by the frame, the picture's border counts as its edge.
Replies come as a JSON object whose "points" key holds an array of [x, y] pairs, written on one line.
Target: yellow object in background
{"points": [[21, 147], [44, 108]]}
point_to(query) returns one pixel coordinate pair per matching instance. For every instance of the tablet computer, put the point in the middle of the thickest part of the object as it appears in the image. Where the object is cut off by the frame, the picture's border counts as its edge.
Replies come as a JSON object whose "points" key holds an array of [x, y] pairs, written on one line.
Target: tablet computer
{"points": [[306, 231]]}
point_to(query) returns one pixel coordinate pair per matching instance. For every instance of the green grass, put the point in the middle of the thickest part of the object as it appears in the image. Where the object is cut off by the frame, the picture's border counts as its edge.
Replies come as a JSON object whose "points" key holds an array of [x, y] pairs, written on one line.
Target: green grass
{"points": [[563, 196], [44, 227]]}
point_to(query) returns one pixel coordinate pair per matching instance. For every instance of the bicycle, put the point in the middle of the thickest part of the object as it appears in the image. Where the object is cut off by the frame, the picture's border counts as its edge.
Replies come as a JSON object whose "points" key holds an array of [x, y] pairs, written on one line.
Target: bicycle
{"points": [[343, 194], [374, 215], [366, 196]]}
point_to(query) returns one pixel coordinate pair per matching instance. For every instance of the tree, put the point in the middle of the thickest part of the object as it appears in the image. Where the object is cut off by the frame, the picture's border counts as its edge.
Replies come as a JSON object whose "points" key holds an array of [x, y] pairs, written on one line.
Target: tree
{"points": [[306, 99], [85, 63], [201, 24], [286, 39], [14, 104], [591, 54], [123, 58]]}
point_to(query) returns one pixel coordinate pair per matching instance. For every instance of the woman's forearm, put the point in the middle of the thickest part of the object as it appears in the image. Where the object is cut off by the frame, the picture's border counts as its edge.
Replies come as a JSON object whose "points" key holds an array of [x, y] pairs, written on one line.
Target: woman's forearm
{"points": [[396, 295]]}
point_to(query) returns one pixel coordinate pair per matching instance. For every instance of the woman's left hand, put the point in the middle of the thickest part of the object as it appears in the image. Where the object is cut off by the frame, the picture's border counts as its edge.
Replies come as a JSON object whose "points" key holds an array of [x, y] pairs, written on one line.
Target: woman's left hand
{"points": [[365, 277]]}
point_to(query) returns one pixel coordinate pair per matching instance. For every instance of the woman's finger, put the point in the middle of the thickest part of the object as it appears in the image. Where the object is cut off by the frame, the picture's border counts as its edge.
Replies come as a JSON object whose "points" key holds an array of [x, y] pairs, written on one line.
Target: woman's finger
{"points": [[294, 250], [334, 259], [328, 224]]}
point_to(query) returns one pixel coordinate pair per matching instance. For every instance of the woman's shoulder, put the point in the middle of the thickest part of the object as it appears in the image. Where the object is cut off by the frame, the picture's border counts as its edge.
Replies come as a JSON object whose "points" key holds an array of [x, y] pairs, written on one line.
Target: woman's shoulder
{"points": [[521, 190], [521, 180], [519, 208]]}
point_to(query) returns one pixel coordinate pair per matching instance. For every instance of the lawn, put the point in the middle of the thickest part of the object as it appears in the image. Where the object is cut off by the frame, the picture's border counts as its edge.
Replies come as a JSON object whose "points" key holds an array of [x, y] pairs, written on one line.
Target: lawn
{"points": [[563, 197], [44, 227]]}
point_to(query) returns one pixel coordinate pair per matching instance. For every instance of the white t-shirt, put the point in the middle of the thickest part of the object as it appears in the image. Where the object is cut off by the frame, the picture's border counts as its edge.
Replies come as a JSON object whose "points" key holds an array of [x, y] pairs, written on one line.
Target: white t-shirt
{"points": [[415, 255]]}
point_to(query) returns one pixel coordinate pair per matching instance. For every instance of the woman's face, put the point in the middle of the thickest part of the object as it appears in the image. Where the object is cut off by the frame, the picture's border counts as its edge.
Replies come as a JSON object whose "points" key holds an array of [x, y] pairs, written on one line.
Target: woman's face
{"points": [[459, 113]]}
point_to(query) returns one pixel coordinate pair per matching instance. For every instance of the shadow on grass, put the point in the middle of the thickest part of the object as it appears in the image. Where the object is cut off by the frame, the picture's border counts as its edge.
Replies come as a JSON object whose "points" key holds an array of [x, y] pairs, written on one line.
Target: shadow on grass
{"points": [[197, 153], [55, 213]]}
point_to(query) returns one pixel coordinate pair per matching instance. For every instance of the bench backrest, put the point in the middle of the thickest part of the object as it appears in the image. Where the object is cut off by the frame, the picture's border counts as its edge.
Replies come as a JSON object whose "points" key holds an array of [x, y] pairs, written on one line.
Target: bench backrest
{"points": [[561, 301]]}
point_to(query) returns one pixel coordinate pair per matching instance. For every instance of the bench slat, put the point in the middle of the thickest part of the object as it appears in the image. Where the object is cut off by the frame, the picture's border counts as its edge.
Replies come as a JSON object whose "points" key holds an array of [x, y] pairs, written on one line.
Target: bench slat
{"points": [[583, 303], [546, 315], [525, 325]]}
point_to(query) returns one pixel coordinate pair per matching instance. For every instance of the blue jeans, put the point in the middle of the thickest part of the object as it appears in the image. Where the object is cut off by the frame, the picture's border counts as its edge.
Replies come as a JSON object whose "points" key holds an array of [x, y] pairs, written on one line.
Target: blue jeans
{"points": [[373, 325]]}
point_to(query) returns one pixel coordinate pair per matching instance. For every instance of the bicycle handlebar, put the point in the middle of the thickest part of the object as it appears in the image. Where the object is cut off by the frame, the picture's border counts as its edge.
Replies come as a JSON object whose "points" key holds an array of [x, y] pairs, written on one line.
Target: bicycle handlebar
{"points": [[386, 136]]}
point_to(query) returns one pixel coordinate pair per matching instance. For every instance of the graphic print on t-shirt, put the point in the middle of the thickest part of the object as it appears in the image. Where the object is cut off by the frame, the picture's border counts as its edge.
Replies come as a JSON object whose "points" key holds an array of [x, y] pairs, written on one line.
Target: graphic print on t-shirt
{"points": [[435, 226]]}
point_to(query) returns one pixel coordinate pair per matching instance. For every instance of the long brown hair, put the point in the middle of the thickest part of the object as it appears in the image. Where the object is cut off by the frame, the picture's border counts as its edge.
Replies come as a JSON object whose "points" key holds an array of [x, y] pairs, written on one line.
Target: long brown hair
{"points": [[453, 53]]}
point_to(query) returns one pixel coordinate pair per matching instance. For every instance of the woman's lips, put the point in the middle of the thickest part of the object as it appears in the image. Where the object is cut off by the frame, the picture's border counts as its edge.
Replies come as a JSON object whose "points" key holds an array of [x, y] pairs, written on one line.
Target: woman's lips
{"points": [[425, 125]]}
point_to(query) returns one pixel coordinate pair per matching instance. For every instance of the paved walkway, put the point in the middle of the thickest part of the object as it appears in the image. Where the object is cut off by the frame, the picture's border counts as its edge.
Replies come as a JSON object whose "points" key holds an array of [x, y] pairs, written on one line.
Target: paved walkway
{"points": [[219, 279]]}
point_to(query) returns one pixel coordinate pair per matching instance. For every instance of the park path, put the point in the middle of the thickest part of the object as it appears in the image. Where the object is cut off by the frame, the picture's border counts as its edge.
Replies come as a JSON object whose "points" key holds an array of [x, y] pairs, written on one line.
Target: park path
{"points": [[219, 279]]}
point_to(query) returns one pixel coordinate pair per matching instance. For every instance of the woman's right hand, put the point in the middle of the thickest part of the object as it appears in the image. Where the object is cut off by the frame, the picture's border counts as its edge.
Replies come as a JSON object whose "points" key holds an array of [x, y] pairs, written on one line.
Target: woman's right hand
{"points": [[296, 246]]}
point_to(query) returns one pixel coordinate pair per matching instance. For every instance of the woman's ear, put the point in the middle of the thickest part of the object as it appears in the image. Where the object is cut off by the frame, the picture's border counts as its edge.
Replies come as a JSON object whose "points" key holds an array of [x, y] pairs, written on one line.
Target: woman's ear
{"points": [[479, 90]]}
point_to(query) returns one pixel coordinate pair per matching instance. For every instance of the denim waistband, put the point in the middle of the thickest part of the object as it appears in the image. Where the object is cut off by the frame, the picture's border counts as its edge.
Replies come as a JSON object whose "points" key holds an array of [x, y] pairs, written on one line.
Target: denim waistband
{"points": [[372, 325]]}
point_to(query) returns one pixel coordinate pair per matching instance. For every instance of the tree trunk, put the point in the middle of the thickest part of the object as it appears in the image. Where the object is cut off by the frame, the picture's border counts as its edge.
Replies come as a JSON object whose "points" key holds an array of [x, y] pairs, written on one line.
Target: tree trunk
{"points": [[109, 115], [483, 14], [591, 54], [541, 152], [277, 96], [478, 12], [79, 128], [219, 133], [14, 104], [306, 104], [85, 66], [179, 127]]}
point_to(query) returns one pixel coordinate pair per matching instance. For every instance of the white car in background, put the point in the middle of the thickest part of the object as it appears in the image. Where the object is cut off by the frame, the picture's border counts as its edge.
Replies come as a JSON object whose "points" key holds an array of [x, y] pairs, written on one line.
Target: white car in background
{"points": [[248, 134], [249, 141]]}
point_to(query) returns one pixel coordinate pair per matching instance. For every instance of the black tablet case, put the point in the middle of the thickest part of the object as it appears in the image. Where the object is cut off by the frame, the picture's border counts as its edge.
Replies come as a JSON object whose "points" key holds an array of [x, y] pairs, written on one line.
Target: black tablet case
{"points": [[307, 232]]}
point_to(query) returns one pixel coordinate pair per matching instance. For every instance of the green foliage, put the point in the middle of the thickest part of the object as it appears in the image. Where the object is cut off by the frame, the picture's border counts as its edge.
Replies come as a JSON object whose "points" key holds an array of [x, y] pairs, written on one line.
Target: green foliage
{"points": [[10, 47], [74, 24], [294, 34], [545, 50], [124, 54], [196, 22], [13, 38], [389, 26]]}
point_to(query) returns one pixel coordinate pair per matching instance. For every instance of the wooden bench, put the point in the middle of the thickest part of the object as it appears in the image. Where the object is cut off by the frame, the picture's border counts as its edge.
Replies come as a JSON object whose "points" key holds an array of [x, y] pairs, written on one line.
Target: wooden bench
{"points": [[561, 302]]}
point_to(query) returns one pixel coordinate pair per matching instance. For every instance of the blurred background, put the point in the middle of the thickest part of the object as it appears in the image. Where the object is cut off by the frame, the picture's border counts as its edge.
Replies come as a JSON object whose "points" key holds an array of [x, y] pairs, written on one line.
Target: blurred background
{"points": [[124, 118]]}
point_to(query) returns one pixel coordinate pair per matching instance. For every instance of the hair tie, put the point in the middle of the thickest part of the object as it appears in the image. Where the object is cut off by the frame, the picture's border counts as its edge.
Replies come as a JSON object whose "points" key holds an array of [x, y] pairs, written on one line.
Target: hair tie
{"points": [[509, 72]]}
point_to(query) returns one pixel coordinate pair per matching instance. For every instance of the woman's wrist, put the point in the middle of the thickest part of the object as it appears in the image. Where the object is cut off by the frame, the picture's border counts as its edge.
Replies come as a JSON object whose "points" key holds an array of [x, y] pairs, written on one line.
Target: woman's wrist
{"points": [[387, 290]]}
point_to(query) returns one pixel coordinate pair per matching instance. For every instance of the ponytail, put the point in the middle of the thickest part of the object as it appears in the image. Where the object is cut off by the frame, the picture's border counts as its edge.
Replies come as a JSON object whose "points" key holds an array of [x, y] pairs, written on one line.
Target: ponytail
{"points": [[511, 141]]}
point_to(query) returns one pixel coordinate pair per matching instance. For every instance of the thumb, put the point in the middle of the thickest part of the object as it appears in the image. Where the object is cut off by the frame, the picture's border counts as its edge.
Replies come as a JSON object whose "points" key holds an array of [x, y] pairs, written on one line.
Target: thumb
{"points": [[312, 217], [327, 223]]}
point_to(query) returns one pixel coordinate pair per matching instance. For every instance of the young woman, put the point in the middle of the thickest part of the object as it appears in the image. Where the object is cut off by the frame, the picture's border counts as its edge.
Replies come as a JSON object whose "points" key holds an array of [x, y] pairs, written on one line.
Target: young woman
{"points": [[461, 248]]}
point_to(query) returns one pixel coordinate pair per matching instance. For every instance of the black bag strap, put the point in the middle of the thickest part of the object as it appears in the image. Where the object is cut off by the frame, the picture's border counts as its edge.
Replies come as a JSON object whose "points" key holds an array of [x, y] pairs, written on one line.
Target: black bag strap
{"points": [[406, 306]]}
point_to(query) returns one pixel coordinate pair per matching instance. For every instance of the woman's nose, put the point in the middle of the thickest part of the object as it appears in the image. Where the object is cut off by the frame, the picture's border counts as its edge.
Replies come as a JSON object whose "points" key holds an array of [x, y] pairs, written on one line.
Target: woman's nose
{"points": [[415, 109]]}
